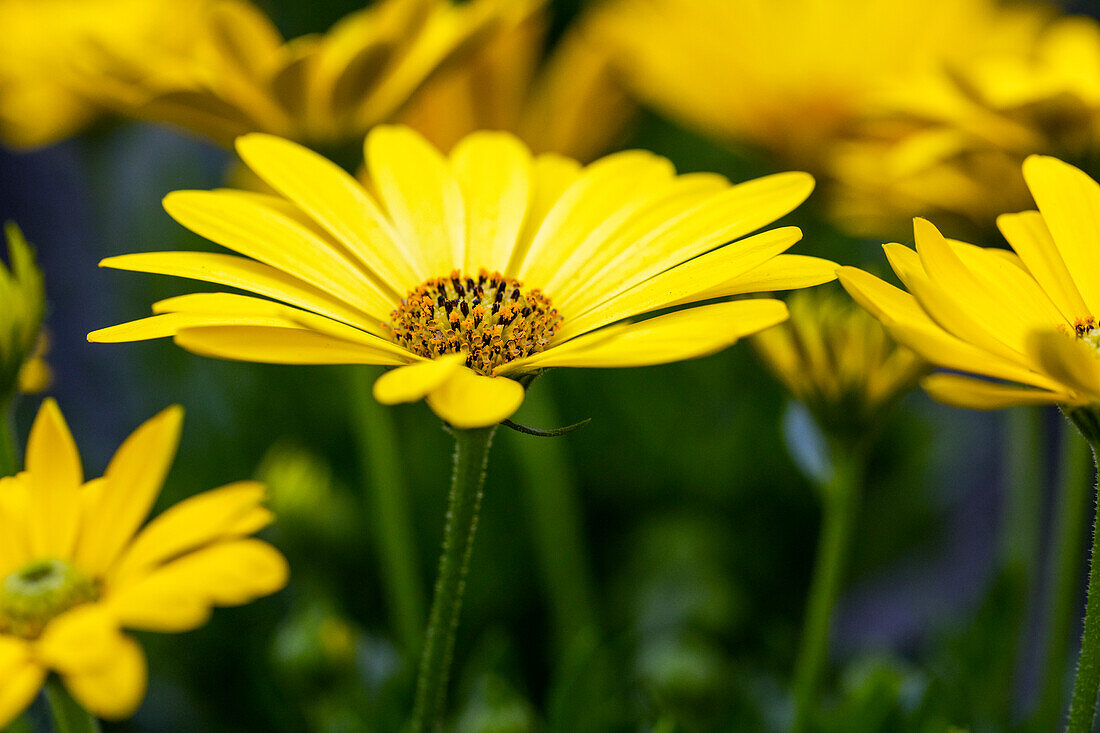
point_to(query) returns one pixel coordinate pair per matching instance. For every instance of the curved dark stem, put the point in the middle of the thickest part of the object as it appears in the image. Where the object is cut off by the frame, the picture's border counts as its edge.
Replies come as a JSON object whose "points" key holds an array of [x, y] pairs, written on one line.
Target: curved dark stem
{"points": [[552, 433]]}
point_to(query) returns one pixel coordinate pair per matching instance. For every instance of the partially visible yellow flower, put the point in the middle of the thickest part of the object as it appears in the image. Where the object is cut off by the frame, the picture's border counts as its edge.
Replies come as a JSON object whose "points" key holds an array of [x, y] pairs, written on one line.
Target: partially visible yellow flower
{"points": [[35, 375], [791, 76], [838, 361], [42, 98], [77, 567], [22, 303], [239, 75], [475, 270], [1017, 328], [570, 103], [950, 147]]}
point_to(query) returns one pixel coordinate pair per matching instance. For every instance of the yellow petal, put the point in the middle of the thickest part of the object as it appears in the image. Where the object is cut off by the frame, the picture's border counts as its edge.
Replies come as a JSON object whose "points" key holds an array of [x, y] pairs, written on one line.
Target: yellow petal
{"points": [[414, 382], [551, 176], [115, 689], [54, 474], [469, 400], [1068, 200], [21, 677], [1069, 360], [279, 345], [979, 394], [338, 203], [685, 282], [263, 233], [494, 171], [1030, 238], [179, 595], [169, 324], [134, 478], [785, 272], [190, 524], [421, 196], [686, 334], [14, 543], [79, 640]]}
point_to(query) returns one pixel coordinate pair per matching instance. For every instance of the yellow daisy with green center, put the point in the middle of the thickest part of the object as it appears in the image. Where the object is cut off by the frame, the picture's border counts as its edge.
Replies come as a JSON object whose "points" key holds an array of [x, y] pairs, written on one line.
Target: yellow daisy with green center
{"points": [[77, 567], [475, 271]]}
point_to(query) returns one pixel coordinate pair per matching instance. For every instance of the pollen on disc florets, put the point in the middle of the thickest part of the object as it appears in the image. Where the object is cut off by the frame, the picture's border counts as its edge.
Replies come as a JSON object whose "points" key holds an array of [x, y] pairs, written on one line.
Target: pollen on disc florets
{"points": [[38, 592], [490, 318], [1086, 329]]}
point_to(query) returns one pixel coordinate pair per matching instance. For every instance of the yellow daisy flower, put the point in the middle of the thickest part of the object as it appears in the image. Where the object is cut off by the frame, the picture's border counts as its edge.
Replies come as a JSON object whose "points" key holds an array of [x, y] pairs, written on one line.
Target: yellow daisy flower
{"points": [[42, 95], [22, 303], [471, 271], [570, 104], [76, 566], [792, 76], [1020, 327], [950, 147], [239, 75], [838, 361]]}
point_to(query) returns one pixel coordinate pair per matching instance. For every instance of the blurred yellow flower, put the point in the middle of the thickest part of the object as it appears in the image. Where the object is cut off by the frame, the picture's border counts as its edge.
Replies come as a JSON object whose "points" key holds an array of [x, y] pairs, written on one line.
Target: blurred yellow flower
{"points": [[469, 270], [790, 76], [950, 147], [22, 303], [569, 104], [838, 361], [1019, 327], [239, 75], [76, 567], [42, 95]]}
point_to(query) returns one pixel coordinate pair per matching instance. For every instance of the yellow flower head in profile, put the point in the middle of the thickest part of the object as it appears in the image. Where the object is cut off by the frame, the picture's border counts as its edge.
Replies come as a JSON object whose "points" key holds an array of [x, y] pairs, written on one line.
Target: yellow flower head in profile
{"points": [[951, 146], [43, 98], [239, 75], [22, 302], [838, 361], [474, 270], [790, 76], [571, 103], [77, 567], [1020, 327]]}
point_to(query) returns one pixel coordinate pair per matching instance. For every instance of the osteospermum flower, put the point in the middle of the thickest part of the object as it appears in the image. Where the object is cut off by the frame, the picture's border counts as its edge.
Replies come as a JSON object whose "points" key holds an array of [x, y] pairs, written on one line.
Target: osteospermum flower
{"points": [[838, 361], [474, 270], [22, 302], [77, 567], [1020, 327], [792, 76], [43, 98], [239, 75]]}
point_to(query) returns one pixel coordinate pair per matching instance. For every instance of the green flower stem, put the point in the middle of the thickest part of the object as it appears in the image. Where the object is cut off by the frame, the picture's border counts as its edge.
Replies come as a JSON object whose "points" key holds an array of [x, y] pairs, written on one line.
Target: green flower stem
{"points": [[68, 717], [555, 515], [1086, 684], [387, 496], [9, 462], [840, 498], [1064, 570], [463, 507]]}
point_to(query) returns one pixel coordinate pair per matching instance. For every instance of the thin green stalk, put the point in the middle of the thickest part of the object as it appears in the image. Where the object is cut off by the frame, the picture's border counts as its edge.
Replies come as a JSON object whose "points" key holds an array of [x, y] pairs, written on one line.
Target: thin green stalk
{"points": [[1064, 570], [840, 498], [68, 717], [9, 462], [555, 515], [387, 496], [463, 507]]}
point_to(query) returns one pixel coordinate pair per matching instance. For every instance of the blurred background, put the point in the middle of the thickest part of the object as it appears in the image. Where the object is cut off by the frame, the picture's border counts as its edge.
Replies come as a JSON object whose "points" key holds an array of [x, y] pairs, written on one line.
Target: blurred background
{"points": [[697, 520]]}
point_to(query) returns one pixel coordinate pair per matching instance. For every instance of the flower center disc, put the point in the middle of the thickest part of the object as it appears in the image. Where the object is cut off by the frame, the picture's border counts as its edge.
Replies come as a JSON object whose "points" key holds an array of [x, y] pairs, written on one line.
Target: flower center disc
{"points": [[33, 595], [490, 318]]}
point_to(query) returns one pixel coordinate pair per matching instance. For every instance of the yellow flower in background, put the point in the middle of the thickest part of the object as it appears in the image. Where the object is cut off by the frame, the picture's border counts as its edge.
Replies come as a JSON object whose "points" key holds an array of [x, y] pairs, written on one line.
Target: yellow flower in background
{"points": [[239, 75], [791, 76], [951, 147], [838, 361], [22, 303], [42, 95], [77, 567], [569, 104], [1020, 327], [473, 270]]}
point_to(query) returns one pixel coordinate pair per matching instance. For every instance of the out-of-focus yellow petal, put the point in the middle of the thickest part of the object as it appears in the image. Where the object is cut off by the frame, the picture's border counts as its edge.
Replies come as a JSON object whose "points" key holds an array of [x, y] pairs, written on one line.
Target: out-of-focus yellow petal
{"points": [[79, 640], [115, 689], [54, 473], [469, 400], [979, 394], [414, 382], [179, 595], [133, 480], [21, 677]]}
